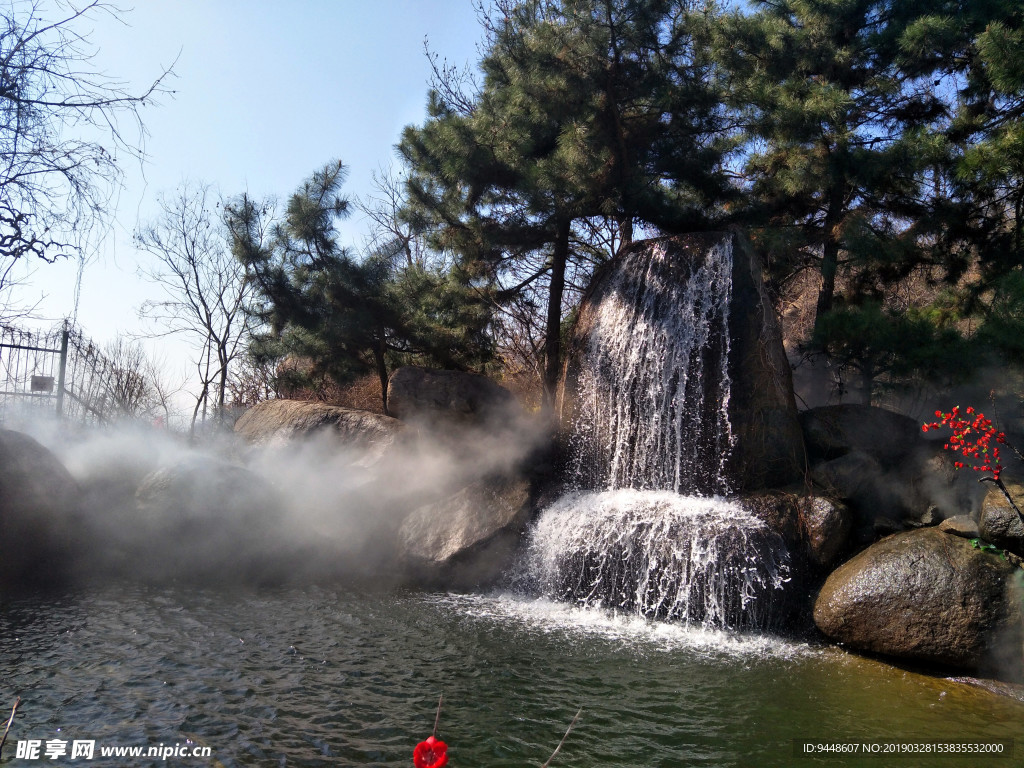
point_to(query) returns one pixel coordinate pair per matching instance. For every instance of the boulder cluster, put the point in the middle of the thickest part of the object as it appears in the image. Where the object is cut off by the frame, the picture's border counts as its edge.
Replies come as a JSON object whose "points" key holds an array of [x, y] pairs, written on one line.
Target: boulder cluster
{"points": [[922, 562]]}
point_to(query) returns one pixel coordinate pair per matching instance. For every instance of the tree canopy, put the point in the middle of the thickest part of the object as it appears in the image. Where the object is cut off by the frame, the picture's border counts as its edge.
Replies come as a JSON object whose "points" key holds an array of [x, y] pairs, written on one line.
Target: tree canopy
{"points": [[317, 300]]}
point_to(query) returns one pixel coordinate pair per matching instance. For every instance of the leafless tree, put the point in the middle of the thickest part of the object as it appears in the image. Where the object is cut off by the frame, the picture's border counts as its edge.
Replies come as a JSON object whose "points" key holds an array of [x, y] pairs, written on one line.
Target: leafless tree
{"points": [[204, 287], [128, 376], [139, 385], [65, 127]]}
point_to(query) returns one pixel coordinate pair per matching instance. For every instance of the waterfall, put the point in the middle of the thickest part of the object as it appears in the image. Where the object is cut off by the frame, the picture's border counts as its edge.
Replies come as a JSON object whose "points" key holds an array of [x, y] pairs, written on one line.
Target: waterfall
{"points": [[652, 393], [645, 530], [657, 554]]}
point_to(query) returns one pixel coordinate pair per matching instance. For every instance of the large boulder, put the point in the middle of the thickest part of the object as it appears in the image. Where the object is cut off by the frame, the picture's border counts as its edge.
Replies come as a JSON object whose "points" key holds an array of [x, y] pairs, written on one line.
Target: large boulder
{"points": [[1000, 523], [426, 395], [38, 513], [204, 520], [467, 540], [928, 596], [278, 423], [676, 359], [835, 430]]}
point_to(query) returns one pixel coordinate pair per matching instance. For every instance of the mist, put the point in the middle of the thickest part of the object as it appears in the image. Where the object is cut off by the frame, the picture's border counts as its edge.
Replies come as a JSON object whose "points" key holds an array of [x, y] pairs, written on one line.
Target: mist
{"points": [[151, 508]]}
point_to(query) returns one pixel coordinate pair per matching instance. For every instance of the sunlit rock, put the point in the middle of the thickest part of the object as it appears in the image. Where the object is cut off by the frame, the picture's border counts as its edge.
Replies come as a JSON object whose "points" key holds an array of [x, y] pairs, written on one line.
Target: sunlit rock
{"points": [[929, 596], [467, 539], [279, 423]]}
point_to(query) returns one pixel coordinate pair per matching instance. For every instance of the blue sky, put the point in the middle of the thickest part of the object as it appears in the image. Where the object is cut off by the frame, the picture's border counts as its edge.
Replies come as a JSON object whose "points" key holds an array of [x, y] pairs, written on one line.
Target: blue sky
{"points": [[266, 92]]}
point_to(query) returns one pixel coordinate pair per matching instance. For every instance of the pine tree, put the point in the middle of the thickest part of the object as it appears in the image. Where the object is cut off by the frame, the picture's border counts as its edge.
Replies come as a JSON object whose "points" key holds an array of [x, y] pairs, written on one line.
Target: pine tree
{"points": [[836, 118], [587, 110], [346, 315]]}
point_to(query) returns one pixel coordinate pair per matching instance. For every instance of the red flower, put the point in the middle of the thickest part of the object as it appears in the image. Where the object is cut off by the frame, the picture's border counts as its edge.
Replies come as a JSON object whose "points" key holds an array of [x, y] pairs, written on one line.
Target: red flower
{"points": [[430, 754]]}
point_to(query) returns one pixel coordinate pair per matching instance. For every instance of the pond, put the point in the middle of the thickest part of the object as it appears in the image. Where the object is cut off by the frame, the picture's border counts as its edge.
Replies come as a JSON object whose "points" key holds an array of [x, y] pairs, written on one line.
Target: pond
{"points": [[325, 676]]}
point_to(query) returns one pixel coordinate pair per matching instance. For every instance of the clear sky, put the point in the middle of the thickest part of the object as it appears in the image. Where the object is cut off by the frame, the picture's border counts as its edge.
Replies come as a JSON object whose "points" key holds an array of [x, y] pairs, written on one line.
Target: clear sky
{"points": [[266, 92]]}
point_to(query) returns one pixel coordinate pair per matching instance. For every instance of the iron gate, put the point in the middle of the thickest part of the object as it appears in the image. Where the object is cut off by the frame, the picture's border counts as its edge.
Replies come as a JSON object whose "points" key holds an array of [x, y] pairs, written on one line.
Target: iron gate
{"points": [[57, 372]]}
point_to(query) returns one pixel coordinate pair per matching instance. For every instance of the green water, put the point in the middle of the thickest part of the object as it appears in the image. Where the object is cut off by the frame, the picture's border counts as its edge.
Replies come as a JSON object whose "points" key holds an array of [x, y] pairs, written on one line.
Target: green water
{"points": [[318, 677]]}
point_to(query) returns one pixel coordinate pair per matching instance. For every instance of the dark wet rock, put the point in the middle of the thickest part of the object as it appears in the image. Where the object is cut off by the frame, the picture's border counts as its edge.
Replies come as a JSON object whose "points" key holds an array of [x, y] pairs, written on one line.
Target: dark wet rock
{"points": [[836, 430], [467, 540], [961, 525], [1000, 523], [780, 512], [769, 450], [827, 524], [425, 395], [39, 523], [927, 596], [280, 423], [768, 447], [857, 479]]}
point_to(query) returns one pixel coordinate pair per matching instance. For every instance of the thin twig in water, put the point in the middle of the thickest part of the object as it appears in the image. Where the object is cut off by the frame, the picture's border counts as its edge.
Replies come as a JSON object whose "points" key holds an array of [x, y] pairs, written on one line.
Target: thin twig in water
{"points": [[10, 720], [567, 730], [437, 719]]}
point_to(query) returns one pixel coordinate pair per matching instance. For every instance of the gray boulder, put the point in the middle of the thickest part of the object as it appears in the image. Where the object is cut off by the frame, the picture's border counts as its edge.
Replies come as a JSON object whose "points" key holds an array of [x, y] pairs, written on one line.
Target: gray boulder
{"points": [[1000, 523], [426, 395], [279, 423], [204, 520], [835, 430], [928, 596], [467, 540], [39, 525]]}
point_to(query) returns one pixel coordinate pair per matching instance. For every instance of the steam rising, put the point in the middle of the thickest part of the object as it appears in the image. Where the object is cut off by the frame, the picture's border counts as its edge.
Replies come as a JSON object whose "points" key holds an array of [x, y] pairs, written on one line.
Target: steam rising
{"points": [[152, 508]]}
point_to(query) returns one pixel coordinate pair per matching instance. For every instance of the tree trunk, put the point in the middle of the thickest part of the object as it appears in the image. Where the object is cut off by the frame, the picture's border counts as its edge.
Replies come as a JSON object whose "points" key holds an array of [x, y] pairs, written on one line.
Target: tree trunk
{"points": [[830, 256], [382, 373], [553, 335], [222, 384]]}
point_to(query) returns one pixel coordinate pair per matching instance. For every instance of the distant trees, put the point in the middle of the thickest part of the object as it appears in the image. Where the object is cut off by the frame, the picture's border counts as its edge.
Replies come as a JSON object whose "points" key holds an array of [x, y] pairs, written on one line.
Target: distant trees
{"points": [[63, 126], [204, 288], [315, 299], [871, 134]]}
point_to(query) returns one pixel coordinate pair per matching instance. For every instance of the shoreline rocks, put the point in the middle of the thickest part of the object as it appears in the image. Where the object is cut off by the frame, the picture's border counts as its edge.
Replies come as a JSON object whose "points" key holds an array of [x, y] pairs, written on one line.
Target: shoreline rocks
{"points": [[928, 596]]}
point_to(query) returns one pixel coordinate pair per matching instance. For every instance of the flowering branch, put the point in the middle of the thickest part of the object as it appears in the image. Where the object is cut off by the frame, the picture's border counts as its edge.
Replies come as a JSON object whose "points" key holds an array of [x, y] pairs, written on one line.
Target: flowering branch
{"points": [[974, 437]]}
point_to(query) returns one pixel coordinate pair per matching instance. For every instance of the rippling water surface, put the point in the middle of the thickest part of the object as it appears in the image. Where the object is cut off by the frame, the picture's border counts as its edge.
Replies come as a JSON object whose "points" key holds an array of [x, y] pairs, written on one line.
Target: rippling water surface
{"points": [[311, 677]]}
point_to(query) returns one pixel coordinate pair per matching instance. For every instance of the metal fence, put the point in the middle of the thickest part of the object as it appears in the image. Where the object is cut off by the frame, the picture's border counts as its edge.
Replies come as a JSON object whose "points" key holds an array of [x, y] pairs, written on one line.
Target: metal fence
{"points": [[56, 373]]}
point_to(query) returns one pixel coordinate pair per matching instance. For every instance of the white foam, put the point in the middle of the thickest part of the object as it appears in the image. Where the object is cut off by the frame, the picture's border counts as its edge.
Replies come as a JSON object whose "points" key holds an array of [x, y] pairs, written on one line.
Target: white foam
{"points": [[656, 554], [638, 635]]}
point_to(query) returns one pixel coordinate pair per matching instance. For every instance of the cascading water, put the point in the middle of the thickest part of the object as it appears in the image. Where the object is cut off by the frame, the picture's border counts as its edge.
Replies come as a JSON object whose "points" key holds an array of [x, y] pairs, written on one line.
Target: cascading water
{"points": [[661, 555], [650, 423], [652, 392]]}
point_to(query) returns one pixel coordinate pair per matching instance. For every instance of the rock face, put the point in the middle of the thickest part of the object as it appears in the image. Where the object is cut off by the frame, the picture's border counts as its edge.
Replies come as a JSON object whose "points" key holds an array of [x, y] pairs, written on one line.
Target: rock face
{"points": [[827, 525], [1000, 523], [38, 502], [929, 596], [428, 395], [835, 430], [678, 332], [816, 529], [769, 448], [467, 540], [278, 422]]}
